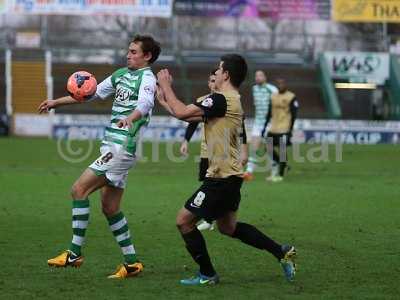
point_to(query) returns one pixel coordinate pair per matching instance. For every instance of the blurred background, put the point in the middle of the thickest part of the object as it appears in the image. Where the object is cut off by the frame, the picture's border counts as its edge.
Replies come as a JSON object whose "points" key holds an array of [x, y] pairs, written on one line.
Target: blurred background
{"points": [[339, 57]]}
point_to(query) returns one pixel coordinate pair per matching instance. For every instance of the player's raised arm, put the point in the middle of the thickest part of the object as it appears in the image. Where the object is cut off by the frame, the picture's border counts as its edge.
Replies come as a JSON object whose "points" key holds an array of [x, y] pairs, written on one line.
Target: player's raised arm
{"points": [[179, 110], [161, 100]]}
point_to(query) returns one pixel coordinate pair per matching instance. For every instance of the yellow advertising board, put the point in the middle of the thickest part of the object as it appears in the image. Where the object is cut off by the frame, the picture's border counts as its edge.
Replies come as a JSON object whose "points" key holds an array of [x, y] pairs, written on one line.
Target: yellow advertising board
{"points": [[366, 11]]}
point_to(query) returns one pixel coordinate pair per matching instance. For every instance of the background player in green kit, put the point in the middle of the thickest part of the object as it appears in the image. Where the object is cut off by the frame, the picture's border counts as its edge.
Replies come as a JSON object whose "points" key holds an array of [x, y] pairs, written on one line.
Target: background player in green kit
{"points": [[262, 92], [134, 91]]}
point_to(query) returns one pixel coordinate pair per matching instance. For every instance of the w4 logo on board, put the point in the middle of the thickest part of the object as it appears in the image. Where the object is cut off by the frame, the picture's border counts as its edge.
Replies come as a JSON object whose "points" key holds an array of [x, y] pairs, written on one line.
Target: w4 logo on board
{"points": [[354, 64]]}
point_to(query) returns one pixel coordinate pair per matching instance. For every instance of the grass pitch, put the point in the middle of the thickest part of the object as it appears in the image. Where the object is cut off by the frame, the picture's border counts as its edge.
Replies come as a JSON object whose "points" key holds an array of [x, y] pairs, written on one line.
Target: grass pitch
{"points": [[342, 217]]}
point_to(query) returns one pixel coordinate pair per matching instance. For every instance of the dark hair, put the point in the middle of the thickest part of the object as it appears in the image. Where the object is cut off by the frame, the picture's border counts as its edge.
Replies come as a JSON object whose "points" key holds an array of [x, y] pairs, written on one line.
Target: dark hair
{"points": [[280, 79], [149, 45], [213, 72], [236, 66]]}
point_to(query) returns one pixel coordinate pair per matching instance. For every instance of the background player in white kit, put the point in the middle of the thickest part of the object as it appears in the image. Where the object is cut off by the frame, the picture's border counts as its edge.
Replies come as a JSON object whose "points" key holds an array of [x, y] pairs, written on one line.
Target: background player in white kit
{"points": [[134, 88], [262, 92]]}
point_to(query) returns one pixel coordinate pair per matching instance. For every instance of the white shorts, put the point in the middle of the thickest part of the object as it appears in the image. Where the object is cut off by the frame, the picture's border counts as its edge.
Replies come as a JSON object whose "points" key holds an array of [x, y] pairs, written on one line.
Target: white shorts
{"points": [[257, 130], [114, 163]]}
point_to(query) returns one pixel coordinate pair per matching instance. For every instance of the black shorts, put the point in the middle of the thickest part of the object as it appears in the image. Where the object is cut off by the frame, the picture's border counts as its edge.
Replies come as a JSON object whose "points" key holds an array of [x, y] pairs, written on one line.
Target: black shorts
{"points": [[215, 197], [203, 166], [280, 138]]}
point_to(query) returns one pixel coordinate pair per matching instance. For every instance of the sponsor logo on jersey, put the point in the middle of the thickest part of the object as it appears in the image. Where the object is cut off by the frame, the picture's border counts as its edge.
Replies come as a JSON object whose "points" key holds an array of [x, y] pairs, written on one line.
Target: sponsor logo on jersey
{"points": [[123, 94], [208, 102]]}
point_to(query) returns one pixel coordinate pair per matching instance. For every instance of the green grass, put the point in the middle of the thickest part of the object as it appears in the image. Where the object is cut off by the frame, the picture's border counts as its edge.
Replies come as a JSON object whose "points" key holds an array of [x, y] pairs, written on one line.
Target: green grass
{"points": [[342, 217]]}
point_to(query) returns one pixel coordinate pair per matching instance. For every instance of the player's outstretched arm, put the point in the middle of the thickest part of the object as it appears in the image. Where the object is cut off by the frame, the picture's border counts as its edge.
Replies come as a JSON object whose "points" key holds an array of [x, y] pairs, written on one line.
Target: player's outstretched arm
{"points": [[46, 105], [190, 113], [161, 100]]}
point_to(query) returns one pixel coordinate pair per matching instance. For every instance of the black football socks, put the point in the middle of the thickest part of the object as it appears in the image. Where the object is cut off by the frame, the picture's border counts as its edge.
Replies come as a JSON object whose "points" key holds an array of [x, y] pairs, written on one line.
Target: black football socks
{"points": [[250, 235], [196, 246]]}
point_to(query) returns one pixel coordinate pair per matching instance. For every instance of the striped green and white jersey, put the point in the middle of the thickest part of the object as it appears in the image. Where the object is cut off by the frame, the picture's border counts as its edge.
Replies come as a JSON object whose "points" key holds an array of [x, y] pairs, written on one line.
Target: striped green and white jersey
{"points": [[262, 98], [133, 90]]}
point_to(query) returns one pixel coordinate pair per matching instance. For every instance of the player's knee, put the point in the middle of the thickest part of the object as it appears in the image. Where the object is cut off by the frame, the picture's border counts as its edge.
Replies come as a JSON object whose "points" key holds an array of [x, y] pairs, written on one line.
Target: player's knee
{"points": [[183, 226], [78, 192], [109, 210], [180, 224]]}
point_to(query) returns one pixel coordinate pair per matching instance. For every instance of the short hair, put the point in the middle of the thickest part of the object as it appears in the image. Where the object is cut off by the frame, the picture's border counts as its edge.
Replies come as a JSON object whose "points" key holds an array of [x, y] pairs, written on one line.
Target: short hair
{"points": [[149, 45], [262, 71], [212, 73], [236, 66]]}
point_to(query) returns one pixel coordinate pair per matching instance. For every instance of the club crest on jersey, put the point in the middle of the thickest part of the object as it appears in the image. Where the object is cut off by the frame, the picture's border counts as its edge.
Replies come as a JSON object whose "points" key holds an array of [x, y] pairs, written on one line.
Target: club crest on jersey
{"points": [[208, 102], [122, 94], [149, 89]]}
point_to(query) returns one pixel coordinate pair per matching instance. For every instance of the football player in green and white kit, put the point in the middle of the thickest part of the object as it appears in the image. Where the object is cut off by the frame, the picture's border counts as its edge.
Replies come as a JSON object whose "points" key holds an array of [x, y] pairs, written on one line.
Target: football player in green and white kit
{"points": [[134, 90], [262, 92]]}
